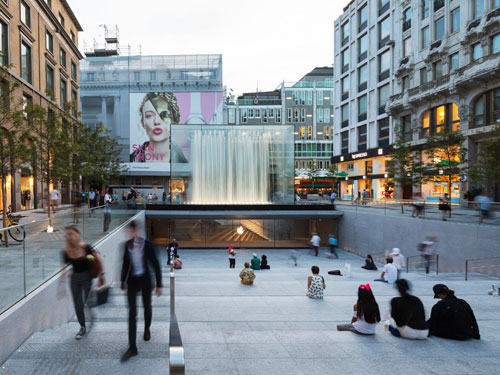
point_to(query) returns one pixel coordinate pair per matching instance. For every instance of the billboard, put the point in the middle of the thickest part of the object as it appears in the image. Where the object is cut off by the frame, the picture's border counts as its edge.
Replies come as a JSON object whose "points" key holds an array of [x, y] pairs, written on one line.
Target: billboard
{"points": [[151, 117]]}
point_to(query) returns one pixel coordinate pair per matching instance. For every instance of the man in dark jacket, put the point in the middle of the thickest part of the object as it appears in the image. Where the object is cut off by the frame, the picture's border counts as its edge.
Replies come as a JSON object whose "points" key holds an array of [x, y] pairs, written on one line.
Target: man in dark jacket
{"points": [[172, 250], [138, 256], [452, 318]]}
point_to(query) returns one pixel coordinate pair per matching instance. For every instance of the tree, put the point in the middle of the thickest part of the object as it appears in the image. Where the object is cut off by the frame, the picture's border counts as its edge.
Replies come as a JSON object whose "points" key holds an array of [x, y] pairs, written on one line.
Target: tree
{"points": [[312, 173], [445, 153], [404, 166], [331, 172], [486, 169]]}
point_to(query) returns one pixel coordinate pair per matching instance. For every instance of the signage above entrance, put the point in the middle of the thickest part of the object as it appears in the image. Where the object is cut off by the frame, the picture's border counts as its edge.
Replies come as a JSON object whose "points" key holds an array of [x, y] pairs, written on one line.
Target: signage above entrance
{"points": [[373, 152]]}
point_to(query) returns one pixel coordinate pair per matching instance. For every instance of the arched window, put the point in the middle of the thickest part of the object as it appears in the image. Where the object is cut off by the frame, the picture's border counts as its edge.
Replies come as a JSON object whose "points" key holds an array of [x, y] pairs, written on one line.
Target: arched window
{"points": [[437, 119], [487, 108]]}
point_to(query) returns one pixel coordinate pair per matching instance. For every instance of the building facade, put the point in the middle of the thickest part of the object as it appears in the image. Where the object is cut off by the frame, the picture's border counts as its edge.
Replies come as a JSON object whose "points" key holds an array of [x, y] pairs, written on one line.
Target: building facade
{"points": [[364, 48], [39, 43], [447, 75], [307, 105]]}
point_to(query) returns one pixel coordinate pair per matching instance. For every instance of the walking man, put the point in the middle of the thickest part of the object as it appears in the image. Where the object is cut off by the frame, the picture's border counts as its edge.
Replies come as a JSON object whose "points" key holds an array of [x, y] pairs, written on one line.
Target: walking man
{"points": [[138, 256], [108, 200], [364, 196], [332, 241], [333, 196], [315, 240], [92, 200]]}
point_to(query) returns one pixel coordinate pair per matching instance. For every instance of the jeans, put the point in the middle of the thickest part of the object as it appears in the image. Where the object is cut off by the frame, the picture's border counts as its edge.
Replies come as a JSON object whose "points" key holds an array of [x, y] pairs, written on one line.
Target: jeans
{"points": [[381, 279], [136, 285], [333, 252], [80, 283]]}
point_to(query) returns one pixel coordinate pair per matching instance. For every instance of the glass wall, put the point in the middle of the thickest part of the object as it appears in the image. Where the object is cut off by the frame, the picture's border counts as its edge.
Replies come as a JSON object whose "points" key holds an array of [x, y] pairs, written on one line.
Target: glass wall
{"points": [[232, 164]]}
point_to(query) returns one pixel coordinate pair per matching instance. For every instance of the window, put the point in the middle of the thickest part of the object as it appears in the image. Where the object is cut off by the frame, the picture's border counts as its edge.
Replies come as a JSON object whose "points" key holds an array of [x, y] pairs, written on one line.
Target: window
{"points": [[345, 61], [405, 83], [296, 115], [455, 20], [426, 124], [278, 116], [437, 119], [487, 108], [384, 64], [362, 77], [63, 93], [454, 62], [74, 101], [437, 69], [362, 47], [407, 47], [425, 9], [4, 43], [264, 116], [137, 77], [477, 8], [271, 112], [423, 76], [231, 115], [26, 67], [495, 4], [25, 14], [90, 76], [326, 116], [302, 115], [309, 132], [152, 75], [384, 31], [362, 136], [49, 82], [244, 116], [319, 114], [495, 44], [439, 28], [49, 41], [345, 115], [407, 19], [61, 19], [383, 5], [289, 115], [250, 113], [383, 132], [302, 132], [49, 3], [383, 97], [309, 97], [319, 97], [345, 142], [326, 132], [302, 97], [74, 71], [257, 113], [27, 105], [477, 51], [62, 57], [72, 36], [362, 18], [295, 98], [362, 103], [406, 131], [425, 37], [345, 33]]}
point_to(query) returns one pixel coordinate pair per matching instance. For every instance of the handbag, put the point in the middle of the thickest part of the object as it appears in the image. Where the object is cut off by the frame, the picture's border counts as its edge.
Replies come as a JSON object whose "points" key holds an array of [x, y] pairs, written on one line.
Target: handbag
{"points": [[98, 297], [94, 266]]}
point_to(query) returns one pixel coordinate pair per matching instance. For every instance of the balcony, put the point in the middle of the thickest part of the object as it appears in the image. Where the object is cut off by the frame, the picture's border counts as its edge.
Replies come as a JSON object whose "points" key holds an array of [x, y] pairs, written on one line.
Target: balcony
{"points": [[477, 72], [258, 101]]}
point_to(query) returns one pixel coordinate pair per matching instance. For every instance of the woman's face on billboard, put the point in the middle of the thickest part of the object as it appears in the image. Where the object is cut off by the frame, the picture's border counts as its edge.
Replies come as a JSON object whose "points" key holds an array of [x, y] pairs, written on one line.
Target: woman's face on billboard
{"points": [[156, 120]]}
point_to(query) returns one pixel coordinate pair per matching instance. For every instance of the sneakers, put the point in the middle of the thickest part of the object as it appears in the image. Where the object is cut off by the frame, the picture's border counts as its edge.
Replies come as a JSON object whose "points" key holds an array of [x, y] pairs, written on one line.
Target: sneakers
{"points": [[128, 354], [81, 333]]}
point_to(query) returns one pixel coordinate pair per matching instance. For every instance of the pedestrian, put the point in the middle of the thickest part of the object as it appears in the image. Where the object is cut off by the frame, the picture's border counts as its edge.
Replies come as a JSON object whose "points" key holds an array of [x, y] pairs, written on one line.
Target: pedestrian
{"points": [[315, 284], [172, 250], [80, 255], [483, 202], [54, 199], [418, 206], [333, 196], [332, 241], [108, 200], [177, 262], [315, 241], [398, 259], [164, 197], [444, 206], [407, 314], [369, 263], [139, 255], [124, 196], [255, 262], [247, 275], [389, 272], [297, 197], [263, 263], [232, 258], [428, 250], [364, 196], [91, 200], [294, 255], [452, 318], [366, 313]]}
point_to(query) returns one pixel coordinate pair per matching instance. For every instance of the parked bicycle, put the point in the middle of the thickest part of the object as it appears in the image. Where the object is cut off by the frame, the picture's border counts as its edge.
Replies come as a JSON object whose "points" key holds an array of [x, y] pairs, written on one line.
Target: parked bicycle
{"points": [[18, 233]]}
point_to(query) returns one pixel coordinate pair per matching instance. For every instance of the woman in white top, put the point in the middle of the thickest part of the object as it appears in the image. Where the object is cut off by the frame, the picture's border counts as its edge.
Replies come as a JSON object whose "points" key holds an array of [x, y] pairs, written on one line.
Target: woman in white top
{"points": [[315, 284], [366, 313]]}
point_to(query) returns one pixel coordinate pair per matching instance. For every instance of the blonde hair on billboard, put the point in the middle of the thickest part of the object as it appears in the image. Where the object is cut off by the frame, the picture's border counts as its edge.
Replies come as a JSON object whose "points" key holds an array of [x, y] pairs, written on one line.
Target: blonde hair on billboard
{"points": [[169, 98]]}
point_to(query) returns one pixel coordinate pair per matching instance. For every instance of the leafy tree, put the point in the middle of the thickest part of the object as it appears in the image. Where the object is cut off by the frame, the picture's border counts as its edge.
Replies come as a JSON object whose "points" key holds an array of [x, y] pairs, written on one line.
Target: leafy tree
{"points": [[445, 153], [313, 173], [331, 172], [486, 169], [404, 166]]}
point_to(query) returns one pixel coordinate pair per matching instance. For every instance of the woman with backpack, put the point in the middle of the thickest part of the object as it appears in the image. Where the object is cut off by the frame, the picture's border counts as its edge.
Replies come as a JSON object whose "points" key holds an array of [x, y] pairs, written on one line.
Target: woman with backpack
{"points": [[366, 313]]}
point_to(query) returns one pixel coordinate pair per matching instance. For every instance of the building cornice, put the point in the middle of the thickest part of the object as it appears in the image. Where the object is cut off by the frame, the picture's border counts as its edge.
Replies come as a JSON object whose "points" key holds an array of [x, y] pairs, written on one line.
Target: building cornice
{"points": [[5, 11]]}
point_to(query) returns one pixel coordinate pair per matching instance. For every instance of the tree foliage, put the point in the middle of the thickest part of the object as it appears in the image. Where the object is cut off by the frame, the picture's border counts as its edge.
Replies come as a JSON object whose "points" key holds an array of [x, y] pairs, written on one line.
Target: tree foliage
{"points": [[313, 173]]}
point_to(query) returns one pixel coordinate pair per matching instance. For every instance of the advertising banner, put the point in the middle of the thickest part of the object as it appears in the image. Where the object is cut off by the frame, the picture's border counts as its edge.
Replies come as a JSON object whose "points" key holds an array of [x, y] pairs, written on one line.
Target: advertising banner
{"points": [[151, 117]]}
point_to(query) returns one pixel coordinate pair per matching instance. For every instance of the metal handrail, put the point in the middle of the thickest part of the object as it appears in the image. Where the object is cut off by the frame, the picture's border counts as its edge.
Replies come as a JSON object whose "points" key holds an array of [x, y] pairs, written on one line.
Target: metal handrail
{"points": [[176, 359], [436, 259], [473, 259]]}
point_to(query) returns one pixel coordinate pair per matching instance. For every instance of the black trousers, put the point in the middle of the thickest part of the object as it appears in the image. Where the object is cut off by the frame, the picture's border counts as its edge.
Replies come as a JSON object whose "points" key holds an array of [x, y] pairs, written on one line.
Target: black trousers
{"points": [[80, 288], [107, 221], [136, 285], [232, 263]]}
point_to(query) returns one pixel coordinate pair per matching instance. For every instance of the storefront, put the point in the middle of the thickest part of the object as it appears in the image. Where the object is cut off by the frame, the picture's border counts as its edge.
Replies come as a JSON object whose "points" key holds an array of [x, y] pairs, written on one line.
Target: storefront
{"points": [[27, 193], [365, 170]]}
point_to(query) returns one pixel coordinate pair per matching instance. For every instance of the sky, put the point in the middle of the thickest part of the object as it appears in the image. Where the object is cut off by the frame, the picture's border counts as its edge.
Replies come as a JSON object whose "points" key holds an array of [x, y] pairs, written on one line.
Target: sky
{"points": [[262, 42]]}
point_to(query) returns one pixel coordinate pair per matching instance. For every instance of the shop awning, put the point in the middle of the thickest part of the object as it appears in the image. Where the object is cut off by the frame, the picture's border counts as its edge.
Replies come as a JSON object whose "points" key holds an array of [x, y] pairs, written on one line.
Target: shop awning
{"points": [[315, 186]]}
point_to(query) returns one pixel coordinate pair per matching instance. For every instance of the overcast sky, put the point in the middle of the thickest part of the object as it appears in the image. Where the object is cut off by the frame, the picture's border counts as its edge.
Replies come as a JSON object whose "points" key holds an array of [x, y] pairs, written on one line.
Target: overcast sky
{"points": [[262, 42]]}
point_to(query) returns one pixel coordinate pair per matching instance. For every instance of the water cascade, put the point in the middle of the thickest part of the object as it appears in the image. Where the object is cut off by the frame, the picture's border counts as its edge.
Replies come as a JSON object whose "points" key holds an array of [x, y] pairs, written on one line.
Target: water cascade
{"points": [[230, 167]]}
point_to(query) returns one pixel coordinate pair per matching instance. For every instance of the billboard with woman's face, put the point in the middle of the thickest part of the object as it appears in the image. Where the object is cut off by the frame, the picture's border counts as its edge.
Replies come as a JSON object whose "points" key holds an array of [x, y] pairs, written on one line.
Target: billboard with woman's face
{"points": [[151, 117]]}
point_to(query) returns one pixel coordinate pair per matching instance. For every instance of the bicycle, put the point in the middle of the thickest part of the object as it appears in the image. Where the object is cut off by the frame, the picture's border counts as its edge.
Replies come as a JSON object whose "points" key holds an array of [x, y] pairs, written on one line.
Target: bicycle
{"points": [[18, 233]]}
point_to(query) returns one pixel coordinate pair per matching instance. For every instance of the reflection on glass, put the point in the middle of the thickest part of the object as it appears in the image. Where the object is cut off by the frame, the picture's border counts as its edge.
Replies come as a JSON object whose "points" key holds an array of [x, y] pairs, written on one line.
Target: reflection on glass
{"points": [[426, 124]]}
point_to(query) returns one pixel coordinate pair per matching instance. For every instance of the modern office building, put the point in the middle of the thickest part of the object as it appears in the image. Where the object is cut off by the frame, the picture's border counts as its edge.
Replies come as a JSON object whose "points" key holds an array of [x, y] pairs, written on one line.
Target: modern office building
{"points": [[306, 104], [447, 74], [364, 48], [39, 43]]}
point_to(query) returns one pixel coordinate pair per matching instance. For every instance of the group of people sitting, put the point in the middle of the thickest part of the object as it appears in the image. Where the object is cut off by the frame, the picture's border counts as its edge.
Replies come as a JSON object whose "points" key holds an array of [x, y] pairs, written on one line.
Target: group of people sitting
{"points": [[247, 274], [451, 317], [395, 262]]}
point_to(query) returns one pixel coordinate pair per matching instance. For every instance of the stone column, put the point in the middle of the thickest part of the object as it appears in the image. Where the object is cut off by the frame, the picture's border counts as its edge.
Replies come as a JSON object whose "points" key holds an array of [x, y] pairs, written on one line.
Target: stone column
{"points": [[116, 117], [103, 112]]}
